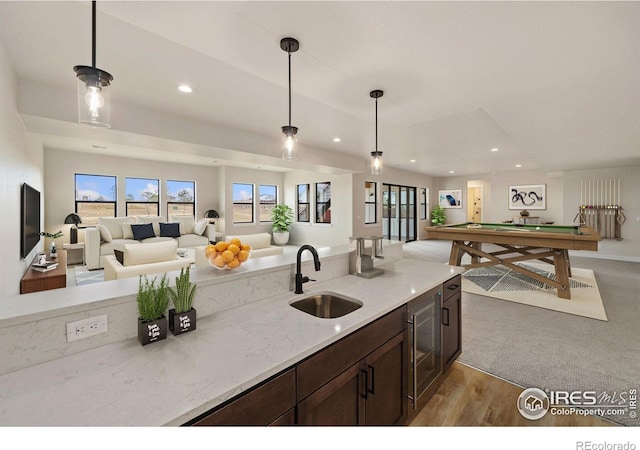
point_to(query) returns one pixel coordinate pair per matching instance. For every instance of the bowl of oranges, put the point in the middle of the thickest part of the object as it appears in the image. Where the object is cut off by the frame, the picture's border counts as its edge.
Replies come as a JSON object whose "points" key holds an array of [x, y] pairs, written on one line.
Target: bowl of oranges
{"points": [[227, 255]]}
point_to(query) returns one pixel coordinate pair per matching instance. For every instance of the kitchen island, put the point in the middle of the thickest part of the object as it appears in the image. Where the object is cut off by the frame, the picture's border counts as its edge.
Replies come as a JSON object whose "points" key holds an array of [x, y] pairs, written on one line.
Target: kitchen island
{"points": [[175, 380]]}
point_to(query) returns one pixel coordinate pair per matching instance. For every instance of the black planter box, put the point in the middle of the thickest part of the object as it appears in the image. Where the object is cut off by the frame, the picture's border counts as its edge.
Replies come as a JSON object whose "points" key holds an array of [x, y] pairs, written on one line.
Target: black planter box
{"points": [[153, 331], [183, 322]]}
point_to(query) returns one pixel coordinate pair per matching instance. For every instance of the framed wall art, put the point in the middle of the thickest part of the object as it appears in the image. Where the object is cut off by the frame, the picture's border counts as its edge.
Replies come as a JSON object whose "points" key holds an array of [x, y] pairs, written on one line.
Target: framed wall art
{"points": [[528, 196], [451, 198]]}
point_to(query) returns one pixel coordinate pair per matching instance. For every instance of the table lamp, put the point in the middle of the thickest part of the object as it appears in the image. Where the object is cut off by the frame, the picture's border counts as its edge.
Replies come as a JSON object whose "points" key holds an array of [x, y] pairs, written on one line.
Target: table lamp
{"points": [[73, 233], [211, 214]]}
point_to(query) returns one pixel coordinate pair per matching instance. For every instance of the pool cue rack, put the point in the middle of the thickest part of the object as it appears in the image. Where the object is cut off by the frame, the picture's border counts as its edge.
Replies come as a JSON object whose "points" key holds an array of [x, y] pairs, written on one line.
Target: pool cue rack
{"points": [[600, 207]]}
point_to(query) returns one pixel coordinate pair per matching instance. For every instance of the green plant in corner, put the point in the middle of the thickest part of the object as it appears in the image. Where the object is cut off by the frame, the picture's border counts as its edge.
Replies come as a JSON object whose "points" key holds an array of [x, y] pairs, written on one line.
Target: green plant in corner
{"points": [[438, 215], [183, 294], [152, 301], [282, 217]]}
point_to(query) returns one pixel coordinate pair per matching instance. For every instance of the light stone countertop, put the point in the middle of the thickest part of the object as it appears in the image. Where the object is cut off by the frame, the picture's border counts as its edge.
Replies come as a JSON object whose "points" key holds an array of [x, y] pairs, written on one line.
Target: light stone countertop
{"points": [[175, 380]]}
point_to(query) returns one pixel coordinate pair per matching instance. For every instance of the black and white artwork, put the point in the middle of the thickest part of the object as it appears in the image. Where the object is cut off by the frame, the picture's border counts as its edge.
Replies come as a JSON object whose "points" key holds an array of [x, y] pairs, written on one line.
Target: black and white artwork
{"points": [[528, 196]]}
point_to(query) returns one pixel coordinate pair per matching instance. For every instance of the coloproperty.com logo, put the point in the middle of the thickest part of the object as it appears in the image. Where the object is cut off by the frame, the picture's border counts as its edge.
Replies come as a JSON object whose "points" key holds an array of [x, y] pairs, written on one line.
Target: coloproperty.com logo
{"points": [[534, 403]]}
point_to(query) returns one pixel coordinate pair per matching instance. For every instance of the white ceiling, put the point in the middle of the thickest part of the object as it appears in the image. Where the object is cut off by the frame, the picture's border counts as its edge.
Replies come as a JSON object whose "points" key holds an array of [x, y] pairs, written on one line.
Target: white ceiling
{"points": [[554, 85]]}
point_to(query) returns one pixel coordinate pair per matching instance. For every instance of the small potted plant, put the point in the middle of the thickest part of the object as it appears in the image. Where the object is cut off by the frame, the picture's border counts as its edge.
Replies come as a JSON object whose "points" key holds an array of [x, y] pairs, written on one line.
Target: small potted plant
{"points": [[438, 215], [53, 251], [282, 217], [152, 304], [182, 317]]}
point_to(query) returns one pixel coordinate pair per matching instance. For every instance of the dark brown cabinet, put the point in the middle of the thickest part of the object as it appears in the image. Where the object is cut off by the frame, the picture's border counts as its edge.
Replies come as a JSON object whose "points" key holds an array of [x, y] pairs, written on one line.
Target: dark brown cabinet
{"points": [[451, 321]]}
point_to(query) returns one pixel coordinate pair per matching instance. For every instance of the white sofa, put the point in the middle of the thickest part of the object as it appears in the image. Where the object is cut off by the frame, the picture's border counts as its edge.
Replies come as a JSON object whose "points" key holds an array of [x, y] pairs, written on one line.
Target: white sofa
{"points": [[260, 246], [132, 260], [110, 231]]}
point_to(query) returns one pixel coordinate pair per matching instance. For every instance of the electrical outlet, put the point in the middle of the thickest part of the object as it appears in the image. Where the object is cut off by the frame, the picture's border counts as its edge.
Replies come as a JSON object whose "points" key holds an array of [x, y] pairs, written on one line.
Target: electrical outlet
{"points": [[86, 327]]}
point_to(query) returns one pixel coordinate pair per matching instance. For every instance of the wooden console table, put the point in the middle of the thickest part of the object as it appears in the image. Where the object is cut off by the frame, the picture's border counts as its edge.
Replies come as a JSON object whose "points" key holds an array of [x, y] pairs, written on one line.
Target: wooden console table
{"points": [[35, 281]]}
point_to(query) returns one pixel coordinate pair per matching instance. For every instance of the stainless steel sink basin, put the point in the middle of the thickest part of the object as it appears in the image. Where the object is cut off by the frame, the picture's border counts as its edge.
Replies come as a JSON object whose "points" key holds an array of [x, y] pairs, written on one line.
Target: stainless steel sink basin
{"points": [[327, 305]]}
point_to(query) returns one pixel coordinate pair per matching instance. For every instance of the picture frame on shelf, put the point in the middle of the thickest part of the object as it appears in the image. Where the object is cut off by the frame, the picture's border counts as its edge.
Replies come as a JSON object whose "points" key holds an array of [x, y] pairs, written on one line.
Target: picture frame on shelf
{"points": [[528, 196], [450, 198]]}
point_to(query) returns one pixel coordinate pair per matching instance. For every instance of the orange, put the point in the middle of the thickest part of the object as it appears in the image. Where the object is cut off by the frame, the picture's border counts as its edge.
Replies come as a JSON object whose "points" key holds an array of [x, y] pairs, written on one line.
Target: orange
{"points": [[210, 250], [235, 241], [233, 263], [219, 262], [233, 248], [246, 247], [243, 255], [227, 256], [221, 246]]}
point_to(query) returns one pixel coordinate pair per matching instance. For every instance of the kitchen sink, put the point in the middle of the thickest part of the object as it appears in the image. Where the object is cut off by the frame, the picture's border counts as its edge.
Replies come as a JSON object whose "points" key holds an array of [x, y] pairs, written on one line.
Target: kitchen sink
{"points": [[327, 305]]}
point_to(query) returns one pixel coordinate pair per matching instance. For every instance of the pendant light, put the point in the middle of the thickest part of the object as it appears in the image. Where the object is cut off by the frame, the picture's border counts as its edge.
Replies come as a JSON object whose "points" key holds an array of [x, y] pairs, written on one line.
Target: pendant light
{"points": [[93, 88], [376, 157], [289, 45]]}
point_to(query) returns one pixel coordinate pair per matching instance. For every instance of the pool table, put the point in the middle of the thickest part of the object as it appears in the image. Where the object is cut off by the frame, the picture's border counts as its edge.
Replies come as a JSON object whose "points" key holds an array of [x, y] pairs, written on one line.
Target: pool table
{"points": [[547, 243]]}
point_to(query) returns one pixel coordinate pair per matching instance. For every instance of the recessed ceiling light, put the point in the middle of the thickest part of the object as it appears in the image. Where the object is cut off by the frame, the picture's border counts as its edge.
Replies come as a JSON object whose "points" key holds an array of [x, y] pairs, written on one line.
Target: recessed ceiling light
{"points": [[336, 139], [185, 88], [412, 160], [494, 150], [518, 165], [452, 171]]}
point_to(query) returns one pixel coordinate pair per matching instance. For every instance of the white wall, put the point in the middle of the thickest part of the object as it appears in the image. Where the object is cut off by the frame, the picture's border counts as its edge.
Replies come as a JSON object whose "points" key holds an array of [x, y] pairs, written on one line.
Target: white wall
{"points": [[230, 175], [59, 183], [21, 162], [340, 229]]}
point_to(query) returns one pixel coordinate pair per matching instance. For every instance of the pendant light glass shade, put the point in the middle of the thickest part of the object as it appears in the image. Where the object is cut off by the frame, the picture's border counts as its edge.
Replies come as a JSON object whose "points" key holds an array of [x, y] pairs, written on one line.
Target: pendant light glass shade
{"points": [[376, 157], [289, 141], [93, 88]]}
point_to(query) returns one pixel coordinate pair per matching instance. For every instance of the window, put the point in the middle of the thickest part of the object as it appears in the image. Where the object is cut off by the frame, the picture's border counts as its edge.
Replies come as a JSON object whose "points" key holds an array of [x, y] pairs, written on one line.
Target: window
{"points": [[302, 203], [268, 196], [142, 197], [323, 202], [423, 204], [370, 202], [242, 203], [95, 197], [181, 198]]}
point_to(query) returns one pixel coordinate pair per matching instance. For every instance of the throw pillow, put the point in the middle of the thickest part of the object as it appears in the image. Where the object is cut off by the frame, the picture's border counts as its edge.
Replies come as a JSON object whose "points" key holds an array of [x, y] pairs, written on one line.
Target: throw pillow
{"points": [[170, 230], [105, 234], [127, 233], [201, 226], [119, 256], [142, 231]]}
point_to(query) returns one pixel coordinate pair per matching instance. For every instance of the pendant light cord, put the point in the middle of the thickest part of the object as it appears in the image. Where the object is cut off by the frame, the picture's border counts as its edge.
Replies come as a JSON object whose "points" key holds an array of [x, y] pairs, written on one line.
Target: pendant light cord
{"points": [[93, 35], [376, 124], [289, 88]]}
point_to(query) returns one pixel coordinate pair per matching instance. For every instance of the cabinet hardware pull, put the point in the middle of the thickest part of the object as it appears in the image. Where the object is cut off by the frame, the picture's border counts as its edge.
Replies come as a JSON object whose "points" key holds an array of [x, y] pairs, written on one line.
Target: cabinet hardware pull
{"points": [[373, 380], [366, 382], [453, 287], [446, 324], [414, 362]]}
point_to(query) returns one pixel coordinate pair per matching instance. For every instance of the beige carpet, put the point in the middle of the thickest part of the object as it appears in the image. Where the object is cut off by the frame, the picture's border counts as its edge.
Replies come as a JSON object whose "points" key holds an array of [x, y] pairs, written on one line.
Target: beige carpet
{"points": [[505, 284]]}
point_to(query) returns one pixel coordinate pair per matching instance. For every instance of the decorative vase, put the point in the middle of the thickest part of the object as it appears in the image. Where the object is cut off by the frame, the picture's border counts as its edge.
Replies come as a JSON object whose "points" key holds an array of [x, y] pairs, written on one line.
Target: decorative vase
{"points": [[152, 331], [53, 251], [182, 322], [524, 213], [280, 237]]}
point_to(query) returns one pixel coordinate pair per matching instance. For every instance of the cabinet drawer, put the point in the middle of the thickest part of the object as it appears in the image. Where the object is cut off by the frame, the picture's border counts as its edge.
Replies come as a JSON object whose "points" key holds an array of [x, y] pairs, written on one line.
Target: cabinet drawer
{"points": [[260, 406], [451, 287], [325, 365]]}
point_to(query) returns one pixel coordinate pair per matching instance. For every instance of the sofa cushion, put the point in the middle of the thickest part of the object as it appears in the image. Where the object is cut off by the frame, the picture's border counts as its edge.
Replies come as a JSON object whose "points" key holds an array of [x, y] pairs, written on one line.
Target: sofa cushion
{"points": [[114, 225], [257, 240], [192, 240], [142, 231], [127, 233], [155, 220], [200, 227], [150, 253], [187, 223], [105, 234], [170, 229], [156, 239]]}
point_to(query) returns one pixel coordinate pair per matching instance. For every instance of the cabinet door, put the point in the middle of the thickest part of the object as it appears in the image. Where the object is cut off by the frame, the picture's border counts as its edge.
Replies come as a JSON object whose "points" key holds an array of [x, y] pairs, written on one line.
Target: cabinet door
{"points": [[339, 402], [451, 329], [386, 389]]}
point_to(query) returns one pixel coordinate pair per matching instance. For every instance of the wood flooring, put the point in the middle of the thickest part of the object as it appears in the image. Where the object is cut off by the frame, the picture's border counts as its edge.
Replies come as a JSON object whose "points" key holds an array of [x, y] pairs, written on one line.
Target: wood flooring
{"points": [[469, 397]]}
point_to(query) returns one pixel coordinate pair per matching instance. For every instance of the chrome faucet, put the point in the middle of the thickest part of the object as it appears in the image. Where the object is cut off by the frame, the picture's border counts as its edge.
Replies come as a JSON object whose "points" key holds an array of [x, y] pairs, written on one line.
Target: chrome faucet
{"points": [[316, 261]]}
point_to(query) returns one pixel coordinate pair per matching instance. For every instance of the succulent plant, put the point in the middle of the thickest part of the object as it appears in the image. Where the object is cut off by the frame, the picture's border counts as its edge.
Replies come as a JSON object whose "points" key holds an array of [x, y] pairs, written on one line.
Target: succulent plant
{"points": [[183, 294]]}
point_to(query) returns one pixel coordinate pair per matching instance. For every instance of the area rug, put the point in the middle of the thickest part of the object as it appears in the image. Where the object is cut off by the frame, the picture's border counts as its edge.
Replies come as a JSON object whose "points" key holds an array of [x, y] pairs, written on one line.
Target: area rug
{"points": [[505, 284], [84, 276]]}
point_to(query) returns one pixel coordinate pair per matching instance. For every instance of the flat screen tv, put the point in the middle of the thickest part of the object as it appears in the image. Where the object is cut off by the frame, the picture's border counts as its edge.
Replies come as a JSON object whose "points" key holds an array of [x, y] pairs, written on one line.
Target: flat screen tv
{"points": [[30, 214]]}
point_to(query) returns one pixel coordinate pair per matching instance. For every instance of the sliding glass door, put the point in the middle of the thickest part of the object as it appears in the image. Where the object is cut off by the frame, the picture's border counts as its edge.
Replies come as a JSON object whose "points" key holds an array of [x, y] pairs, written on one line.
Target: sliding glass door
{"points": [[399, 212]]}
